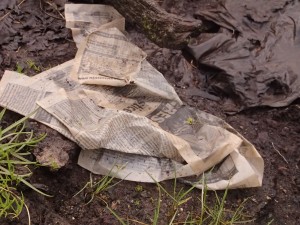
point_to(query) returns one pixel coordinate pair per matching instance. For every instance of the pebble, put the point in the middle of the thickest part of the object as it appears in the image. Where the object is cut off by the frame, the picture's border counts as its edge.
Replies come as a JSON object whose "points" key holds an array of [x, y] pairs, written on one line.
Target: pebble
{"points": [[255, 122]]}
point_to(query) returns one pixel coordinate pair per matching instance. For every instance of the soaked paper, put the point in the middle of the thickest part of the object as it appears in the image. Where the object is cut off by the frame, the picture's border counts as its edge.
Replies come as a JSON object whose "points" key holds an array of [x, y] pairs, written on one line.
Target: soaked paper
{"points": [[126, 117]]}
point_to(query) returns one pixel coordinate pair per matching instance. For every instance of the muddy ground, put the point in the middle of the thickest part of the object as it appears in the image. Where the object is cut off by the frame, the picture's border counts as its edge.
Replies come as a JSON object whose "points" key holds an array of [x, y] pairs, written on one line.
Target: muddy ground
{"points": [[35, 31]]}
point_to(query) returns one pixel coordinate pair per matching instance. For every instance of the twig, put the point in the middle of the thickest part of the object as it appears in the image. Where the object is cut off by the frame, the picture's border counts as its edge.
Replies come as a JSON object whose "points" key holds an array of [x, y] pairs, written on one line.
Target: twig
{"points": [[18, 49], [56, 10], [11, 11], [279, 153], [48, 13]]}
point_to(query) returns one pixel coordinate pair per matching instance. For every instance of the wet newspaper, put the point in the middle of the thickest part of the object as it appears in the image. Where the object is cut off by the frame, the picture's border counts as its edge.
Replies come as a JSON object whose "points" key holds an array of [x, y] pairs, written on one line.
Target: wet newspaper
{"points": [[84, 19], [126, 117]]}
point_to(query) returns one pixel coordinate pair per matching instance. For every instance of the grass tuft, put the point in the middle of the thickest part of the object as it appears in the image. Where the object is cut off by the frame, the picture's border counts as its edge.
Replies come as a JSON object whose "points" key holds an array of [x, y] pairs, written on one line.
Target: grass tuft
{"points": [[94, 188], [208, 214], [15, 144]]}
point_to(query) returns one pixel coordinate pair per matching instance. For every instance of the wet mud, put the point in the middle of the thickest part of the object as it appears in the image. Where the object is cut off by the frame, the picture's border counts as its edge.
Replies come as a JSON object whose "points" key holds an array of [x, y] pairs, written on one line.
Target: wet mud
{"points": [[35, 31]]}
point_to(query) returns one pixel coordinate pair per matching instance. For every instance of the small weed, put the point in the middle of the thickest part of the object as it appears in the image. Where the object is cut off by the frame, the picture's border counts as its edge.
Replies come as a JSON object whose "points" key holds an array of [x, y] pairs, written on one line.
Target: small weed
{"points": [[190, 121], [19, 68], [218, 214], [93, 188], [31, 65], [137, 202], [178, 197], [138, 188], [54, 166]]}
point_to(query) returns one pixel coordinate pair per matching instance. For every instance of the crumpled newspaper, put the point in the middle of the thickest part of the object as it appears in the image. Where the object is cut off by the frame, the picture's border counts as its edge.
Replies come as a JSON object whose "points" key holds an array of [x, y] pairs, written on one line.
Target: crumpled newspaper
{"points": [[125, 116]]}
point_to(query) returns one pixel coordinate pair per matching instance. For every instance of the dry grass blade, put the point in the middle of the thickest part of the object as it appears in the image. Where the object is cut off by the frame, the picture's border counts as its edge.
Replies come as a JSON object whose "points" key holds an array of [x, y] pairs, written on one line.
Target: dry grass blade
{"points": [[3, 17], [279, 153]]}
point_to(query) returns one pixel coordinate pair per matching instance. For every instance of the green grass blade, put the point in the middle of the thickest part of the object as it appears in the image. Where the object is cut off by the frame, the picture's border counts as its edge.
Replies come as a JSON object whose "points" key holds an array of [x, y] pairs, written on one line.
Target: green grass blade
{"points": [[157, 209], [33, 188], [17, 123], [173, 217], [116, 215]]}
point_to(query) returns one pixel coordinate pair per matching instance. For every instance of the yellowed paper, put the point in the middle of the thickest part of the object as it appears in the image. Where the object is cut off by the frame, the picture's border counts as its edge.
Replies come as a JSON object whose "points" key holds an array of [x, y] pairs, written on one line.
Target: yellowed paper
{"points": [[124, 114], [106, 57]]}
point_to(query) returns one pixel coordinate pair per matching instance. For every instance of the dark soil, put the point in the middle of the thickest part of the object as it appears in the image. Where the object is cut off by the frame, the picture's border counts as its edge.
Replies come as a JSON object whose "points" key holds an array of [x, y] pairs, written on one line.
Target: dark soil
{"points": [[35, 30]]}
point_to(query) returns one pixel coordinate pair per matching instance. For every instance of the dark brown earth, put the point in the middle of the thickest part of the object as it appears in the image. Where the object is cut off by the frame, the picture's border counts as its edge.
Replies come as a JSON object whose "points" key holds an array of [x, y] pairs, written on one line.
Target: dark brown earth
{"points": [[36, 31]]}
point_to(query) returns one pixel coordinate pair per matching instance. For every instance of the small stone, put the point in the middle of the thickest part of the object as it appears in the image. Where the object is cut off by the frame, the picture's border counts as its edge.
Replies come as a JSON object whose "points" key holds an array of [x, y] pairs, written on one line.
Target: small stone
{"points": [[263, 137], [254, 200], [272, 123], [283, 170]]}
